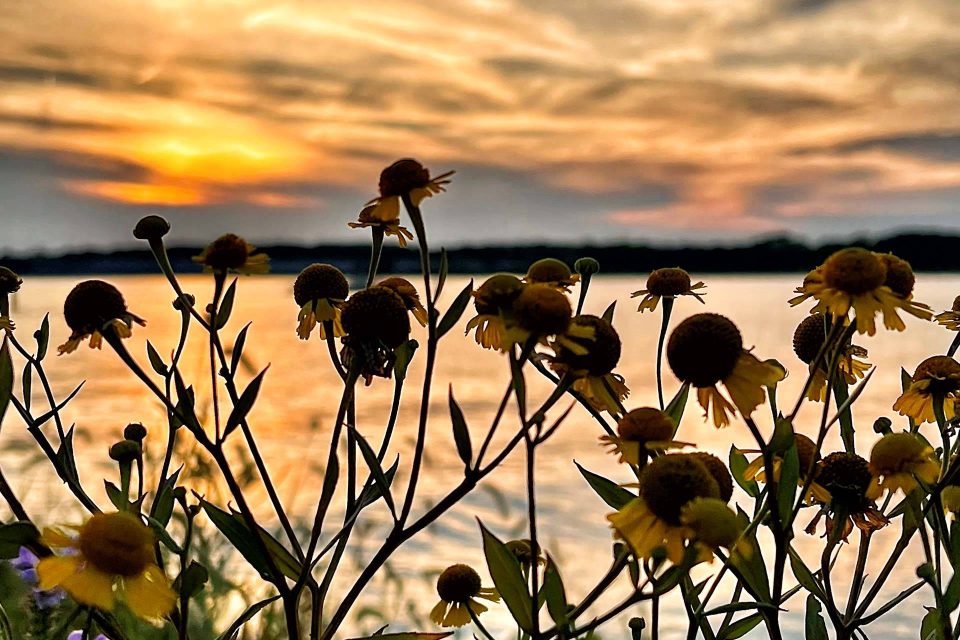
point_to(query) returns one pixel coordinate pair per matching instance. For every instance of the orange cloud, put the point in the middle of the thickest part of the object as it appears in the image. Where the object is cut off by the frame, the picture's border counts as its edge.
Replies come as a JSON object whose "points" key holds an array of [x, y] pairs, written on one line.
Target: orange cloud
{"points": [[140, 194]]}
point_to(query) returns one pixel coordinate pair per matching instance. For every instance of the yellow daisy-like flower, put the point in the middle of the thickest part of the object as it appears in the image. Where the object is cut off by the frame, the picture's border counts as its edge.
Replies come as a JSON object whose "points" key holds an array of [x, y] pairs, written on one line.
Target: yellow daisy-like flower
{"points": [[843, 482], [552, 272], [808, 339], [493, 301], [640, 432], [653, 519], [92, 307], [588, 351], [707, 349], [458, 587], [231, 253], [667, 283], [111, 559], [898, 460], [951, 319], [937, 375], [405, 176], [408, 293], [538, 311], [320, 291], [856, 279], [712, 525]]}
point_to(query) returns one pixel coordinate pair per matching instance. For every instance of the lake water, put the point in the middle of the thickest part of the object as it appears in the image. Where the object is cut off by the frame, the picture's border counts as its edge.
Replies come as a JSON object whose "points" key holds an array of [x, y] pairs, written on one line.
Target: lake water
{"points": [[299, 399]]}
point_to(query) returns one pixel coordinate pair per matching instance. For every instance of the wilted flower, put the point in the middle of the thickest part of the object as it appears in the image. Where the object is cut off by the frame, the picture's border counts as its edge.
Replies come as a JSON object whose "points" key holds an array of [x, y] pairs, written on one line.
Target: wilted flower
{"points": [[856, 278], [458, 587], [93, 307], [808, 339], [231, 253], [951, 319], [937, 376], [408, 293], [588, 350], [552, 272], [494, 303], [898, 460], [707, 349], [111, 559], [842, 484], [320, 291], [641, 431], [667, 283]]}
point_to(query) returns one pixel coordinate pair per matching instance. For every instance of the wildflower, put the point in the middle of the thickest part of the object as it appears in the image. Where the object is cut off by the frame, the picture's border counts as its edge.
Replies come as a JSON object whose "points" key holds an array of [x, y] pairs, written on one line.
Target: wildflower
{"points": [[588, 351], [80, 635], [538, 311], [706, 349], [376, 322], [856, 278], [25, 564], [900, 277], [807, 456], [898, 460], [320, 291], [667, 283], [652, 520], [808, 339], [712, 525], [935, 377], [718, 470], [93, 307], [408, 293], [641, 431], [231, 253], [951, 319], [405, 177], [842, 484], [552, 272], [110, 560], [493, 301], [458, 587]]}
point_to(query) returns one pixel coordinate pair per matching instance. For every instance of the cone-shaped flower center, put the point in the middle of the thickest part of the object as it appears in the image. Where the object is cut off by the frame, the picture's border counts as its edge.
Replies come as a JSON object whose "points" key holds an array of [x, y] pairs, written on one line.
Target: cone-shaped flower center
{"points": [[458, 583], [402, 177], [548, 270], [900, 277], [602, 351], [117, 543], [496, 293], [704, 349], [377, 313], [897, 453], [318, 282], [91, 305], [670, 482], [542, 310], [668, 282], [854, 270], [645, 425]]}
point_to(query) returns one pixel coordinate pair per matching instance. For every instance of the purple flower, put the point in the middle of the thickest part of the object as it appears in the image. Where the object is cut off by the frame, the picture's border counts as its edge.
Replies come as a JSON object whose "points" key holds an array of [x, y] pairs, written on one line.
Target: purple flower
{"points": [[80, 635], [25, 564]]}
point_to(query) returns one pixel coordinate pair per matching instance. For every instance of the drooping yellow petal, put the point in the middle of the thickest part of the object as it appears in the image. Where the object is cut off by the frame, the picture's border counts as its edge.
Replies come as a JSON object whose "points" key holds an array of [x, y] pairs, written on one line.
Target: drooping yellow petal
{"points": [[457, 616], [438, 612], [91, 587], [56, 538], [53, 570], [748, 382], [149, 595]]}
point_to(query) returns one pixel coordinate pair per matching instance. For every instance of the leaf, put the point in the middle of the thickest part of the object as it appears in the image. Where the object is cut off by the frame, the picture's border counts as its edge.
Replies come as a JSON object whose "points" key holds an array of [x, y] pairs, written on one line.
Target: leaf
{"points": [[16, 535], [442, 275], [554, 592], [804, 575], [191, 581], [457, 307], [370, 458], [739, 606], [677, 405], [816, 628], [244, 404], [608, 312], [461, 433], [155, 360], [373, 492], [233, 526], [236, 354], [247, 616], [738, 464], [740, 628], [903, 595], [120, 501], [787, 484], [66, 459], [39, 422], [42, 336], [931, 627], [841, 394], [410, 635], [164, 536], [951, 597], [163, 505], [508, 579], [226, 305], [6, 377], [609, 491], [27, 382], [404, 354]]}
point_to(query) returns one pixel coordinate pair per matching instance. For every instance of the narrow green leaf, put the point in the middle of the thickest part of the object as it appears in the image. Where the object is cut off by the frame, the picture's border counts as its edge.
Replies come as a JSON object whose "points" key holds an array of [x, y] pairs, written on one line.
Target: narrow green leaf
{"points": [[804, 576], [903, 595], [554, 592], [841, 393], [156, 362], [244, 404], [739, 606], [738, 464], [191, 581], [6, 377], [787, 484], [608, 312], [247, 616], [404, 354], [457, 307], [740, 628], [379, 477], [66, 459], [442, 275], [931, 627], [16, 535], [816, 628], [236, 354], [508, 579], [609, 491], [461, 433], [27, 382], [163, 505], [234, 528], [42, 336], [372, 493], [120, 501], [164, 536], [226, 305], [677, 405]]}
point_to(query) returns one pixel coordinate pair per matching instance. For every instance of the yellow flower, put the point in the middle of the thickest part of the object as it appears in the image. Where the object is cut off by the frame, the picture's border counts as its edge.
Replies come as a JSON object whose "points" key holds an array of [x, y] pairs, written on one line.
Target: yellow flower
{"points": [[652, 520], [588, 351], [320, 291], [639, 432], [408, 293], [458, 587], [951, 319], [91, 308], [494, 304], [376, 322], [552, 272], [807, 456], [667, 283], [537, 312], [707, 349], [898, 460], [231, 253], [110, 560], [843, 482], [404, 177], [808, 339], [856, 279], [712, 525], [937, 375]]}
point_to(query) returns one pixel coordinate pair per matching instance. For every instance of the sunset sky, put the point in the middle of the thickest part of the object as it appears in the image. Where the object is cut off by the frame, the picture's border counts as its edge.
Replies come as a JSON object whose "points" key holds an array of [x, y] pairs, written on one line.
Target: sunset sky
{"points": [[566, 120]]}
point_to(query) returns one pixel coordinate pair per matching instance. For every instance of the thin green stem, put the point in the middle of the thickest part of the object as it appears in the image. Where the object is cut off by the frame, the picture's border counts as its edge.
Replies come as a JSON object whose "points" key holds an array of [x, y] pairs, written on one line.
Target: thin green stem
{"points": [[667, 309]]}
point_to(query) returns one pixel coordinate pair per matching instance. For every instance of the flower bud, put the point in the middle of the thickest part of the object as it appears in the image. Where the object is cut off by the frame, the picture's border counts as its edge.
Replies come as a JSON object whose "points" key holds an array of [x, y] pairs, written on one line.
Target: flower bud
{"points": [[135, 431], [151, 227], [586, 266], [125, 451]]}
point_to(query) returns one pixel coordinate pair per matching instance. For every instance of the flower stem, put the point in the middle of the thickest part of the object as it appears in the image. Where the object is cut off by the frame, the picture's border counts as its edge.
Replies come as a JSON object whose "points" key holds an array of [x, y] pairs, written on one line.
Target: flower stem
{"points": [[667, 309]]}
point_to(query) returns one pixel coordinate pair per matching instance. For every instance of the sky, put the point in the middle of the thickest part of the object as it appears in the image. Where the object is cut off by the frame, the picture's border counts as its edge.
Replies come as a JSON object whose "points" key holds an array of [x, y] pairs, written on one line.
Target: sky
{"points": [[665, 121]]}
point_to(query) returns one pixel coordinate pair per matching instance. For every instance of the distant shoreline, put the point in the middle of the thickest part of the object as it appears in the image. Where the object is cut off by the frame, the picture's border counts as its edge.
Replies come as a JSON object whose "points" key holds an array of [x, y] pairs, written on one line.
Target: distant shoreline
{"points": [[925, 252]]}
